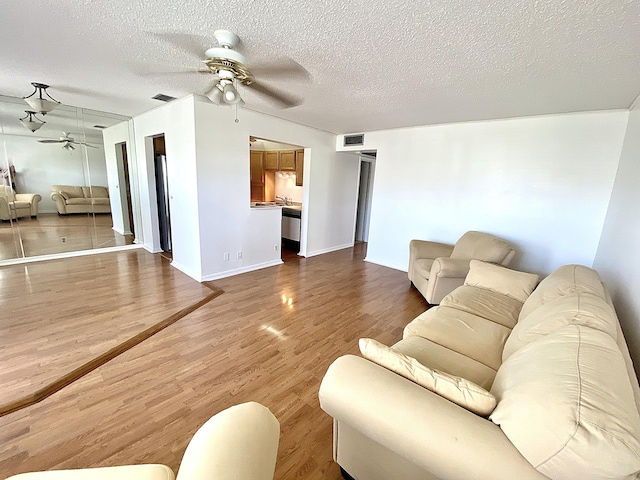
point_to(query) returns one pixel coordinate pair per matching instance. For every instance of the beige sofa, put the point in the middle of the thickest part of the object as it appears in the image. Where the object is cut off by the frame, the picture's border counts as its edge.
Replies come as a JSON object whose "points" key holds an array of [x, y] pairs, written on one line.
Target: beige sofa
{"points": [[77, 199], [436, 269], [553, 363], [17, 205], [239, 443]]}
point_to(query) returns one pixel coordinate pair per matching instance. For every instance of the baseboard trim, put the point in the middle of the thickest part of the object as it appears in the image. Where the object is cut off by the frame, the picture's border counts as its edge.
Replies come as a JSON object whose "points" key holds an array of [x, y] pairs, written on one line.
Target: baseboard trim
{"points": [[238, 271], [57, 256], [388, 265], [329, 250]]}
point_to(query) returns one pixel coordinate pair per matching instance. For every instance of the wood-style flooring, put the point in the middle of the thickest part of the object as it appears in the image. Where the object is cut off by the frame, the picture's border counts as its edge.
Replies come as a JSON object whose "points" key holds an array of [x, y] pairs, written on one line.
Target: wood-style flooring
{"points": [[269, 338], [51, 233]]}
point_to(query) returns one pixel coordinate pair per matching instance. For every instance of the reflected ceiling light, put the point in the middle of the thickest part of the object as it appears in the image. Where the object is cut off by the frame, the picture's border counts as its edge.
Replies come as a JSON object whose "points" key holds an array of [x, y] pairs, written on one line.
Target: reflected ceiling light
{"points": [[30, 121], [39, 103]]}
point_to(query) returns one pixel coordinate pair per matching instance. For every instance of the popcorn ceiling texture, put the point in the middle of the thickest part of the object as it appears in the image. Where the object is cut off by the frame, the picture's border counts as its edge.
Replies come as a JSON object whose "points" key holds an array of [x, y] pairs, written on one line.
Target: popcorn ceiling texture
{"points": [[374, 64]]}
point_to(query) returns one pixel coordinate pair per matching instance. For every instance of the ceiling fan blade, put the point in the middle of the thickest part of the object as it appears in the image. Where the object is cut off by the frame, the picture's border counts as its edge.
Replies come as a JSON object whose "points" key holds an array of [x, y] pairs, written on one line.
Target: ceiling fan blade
{"points": [[51, 141], [282, 67], [178, 72], [194, 45], [283, 100]]}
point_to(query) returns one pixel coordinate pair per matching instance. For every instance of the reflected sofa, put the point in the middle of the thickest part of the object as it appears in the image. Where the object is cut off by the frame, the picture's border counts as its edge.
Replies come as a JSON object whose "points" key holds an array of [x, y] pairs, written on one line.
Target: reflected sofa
{"points": [[17, 205], [548, 368], [239, 443], [77, 199]]}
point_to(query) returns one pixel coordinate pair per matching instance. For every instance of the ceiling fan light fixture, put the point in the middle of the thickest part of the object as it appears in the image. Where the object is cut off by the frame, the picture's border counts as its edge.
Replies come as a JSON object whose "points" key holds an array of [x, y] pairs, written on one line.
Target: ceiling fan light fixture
{"points": [[38, 102], [231, 95], [215, 94], [31, 122]]}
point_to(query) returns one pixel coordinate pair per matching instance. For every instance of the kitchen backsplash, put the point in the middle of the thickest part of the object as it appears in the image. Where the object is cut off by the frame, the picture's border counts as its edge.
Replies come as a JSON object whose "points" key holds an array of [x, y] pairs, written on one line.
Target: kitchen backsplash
{"points": [[286, 186]]}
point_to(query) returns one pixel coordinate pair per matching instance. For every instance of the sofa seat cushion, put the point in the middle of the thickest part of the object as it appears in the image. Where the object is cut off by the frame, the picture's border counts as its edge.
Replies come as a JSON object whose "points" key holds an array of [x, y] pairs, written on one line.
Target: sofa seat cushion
{"points": [[100, 201], [18, 205], [78, 201], [441, 358], [566, 280], [423, 266], [575, 309], [484, 303], [138, 472], [462, 332], [454, 388], [566, 402]]}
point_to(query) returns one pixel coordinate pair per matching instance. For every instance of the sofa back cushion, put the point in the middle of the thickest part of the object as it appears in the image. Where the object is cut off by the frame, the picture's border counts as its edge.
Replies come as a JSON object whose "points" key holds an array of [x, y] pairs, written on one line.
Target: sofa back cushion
{"points": [[7, 193], [566, 403], [481, 246], [566, 280], [68, 191], [575, 309], [514, 284], [95, 192], [455, 389]]}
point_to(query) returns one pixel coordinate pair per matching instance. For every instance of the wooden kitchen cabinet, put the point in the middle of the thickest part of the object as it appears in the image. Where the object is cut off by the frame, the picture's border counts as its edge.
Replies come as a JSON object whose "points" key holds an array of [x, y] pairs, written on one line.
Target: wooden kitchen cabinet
{"points": [[299, 167], [257, 176], [272, 160], [287, 160]]}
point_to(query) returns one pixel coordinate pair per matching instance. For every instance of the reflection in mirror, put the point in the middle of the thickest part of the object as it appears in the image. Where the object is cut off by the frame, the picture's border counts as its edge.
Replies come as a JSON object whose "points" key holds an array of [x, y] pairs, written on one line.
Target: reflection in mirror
{"points": [[54, 183]]}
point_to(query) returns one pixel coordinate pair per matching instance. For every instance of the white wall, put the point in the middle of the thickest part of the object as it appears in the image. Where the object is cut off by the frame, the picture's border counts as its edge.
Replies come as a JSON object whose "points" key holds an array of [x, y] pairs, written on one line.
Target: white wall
{"points": [[176, 121], [227, 222], [40, 165], [542, 183], [112, 138], [618, 256], [208, 162]]}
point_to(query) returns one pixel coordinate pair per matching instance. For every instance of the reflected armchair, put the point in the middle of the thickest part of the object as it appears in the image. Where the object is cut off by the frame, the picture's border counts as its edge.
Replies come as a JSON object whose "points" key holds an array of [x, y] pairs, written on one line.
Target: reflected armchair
{"points": [[436, 269], [17, 205]]}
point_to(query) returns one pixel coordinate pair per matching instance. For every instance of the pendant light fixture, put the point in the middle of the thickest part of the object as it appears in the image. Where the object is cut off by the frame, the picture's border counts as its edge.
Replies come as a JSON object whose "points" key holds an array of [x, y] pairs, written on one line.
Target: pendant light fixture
{"points": [[39, 103], [30, 121]]}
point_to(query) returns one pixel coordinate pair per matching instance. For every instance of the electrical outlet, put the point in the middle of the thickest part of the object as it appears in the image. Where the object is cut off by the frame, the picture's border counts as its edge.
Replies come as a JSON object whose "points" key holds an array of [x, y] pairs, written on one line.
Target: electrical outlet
{"points": [[276, 248], [239, 255], [63, 239], [226, 256]]}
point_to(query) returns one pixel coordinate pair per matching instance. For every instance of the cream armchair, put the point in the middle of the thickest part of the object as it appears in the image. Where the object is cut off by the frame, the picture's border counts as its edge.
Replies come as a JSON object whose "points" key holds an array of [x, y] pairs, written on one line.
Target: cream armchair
{"points": [[17, 205], [436, 269], [239, 443]]}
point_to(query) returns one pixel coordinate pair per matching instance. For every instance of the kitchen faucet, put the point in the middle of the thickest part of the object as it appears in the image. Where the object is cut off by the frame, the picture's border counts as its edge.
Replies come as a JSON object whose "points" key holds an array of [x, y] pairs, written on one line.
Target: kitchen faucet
{"points": [[284, 199]]}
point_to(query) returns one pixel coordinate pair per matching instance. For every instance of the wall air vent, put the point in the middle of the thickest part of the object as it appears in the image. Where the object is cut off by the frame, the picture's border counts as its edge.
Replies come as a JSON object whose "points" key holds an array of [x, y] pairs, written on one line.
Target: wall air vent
{"points": [[354, 140], [163, 98]]}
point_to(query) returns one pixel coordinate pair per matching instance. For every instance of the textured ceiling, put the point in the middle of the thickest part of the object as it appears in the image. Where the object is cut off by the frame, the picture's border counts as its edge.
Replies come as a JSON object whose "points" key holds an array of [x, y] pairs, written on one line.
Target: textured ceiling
{"points": [[374, 64]]}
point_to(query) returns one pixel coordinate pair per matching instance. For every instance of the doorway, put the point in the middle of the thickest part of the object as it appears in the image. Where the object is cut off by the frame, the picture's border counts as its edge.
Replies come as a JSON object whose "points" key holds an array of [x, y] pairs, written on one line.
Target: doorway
{"points": [[162, 195], [365, 193]]}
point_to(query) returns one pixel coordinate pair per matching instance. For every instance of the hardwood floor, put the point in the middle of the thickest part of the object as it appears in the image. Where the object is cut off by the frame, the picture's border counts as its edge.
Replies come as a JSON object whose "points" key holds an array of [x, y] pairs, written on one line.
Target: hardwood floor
{"points": [[43, 235], [269, 338]]}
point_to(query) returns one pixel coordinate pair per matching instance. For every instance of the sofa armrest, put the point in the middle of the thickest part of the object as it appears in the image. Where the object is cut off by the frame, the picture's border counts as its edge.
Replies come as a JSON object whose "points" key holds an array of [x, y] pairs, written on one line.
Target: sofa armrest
{"points": [[238, 443], [32, 198], [425, 249], [437, 435], [5, 211], [61, 203], [445, 276]]}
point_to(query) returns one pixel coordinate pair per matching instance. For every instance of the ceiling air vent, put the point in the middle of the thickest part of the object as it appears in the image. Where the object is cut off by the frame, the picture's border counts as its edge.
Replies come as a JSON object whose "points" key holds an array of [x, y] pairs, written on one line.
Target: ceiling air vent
{"points": [[354, 140], [163, 98], [101, 127]]}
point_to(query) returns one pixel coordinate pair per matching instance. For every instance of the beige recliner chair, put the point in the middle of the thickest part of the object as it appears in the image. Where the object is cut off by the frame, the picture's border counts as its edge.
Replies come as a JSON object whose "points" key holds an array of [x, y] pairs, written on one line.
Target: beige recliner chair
{"points": [[17, 205], [239, 443], [436, 269]]}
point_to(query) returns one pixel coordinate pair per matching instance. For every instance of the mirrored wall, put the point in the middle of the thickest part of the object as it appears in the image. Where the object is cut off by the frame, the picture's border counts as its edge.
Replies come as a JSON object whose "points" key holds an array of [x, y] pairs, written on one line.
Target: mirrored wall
{"points": [[57, 195]]}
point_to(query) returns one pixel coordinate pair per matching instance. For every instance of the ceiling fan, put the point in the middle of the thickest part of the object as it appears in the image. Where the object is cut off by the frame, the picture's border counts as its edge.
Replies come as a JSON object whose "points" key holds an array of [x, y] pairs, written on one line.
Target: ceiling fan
{"points": [[230, 69], [67, 142]]}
